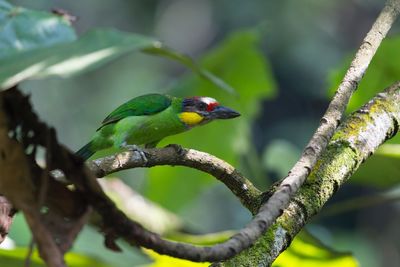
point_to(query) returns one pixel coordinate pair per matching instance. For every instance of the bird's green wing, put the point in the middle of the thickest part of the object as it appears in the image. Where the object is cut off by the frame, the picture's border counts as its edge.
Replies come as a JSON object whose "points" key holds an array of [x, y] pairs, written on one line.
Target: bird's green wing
{"points": [[139, 106]]}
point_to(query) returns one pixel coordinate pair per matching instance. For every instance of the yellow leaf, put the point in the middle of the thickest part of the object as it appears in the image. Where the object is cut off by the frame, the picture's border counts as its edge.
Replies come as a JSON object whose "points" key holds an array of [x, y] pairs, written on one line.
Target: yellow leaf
{"points": [[167, 261]]}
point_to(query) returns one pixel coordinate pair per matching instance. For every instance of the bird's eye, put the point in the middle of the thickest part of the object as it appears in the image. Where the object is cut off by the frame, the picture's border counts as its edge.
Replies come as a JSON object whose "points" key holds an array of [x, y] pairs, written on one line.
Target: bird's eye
{"points": [[203, 106]]}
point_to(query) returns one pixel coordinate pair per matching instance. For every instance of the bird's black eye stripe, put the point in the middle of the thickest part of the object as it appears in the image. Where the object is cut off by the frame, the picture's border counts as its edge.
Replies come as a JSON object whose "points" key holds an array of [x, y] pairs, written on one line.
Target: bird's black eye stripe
{"points": [[202, 106], [191, 104], [188, 102]]}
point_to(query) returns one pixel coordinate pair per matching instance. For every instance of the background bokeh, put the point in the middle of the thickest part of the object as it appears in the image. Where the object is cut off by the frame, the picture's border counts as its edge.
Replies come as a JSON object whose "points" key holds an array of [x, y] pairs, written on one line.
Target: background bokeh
{"points": [[281, 56]]}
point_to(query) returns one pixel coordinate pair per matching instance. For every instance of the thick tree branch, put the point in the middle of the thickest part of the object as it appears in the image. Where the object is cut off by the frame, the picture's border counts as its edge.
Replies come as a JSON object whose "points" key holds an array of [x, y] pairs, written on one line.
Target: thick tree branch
{"points": [[247, 193], [16, 184], [297, 175], [355, 140], [21, 179]]}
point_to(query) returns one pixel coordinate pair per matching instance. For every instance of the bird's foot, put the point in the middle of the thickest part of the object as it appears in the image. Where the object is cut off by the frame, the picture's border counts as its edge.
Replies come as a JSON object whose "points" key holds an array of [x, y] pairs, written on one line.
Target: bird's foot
{"points": [[178, 149], [135, 148]]}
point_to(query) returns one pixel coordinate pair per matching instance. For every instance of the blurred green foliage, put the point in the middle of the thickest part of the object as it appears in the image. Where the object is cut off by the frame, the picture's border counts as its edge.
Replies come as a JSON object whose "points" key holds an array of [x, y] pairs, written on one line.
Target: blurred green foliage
{"points": [[306, 251], [229, 140], [37, 44], [88, 52], [16, 258], [45, 30], [166, 261], [274, 154], [387, 158], [382, 72]]}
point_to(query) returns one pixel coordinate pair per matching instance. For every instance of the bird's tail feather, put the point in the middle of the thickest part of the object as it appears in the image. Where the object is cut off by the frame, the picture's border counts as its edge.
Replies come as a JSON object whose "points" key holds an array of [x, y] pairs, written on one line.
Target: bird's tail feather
{"points": [[85, 152]]}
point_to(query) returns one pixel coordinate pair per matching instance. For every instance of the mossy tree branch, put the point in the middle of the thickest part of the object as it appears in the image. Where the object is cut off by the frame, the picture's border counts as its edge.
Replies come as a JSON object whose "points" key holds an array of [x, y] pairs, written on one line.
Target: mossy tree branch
{"points": [[355, 140], [29, 188], [283, 193]]}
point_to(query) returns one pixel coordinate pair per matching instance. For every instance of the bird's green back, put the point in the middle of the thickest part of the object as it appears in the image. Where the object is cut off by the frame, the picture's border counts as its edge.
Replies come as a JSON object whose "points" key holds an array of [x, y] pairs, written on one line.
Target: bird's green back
{"points": [[139, 106], [143, 120]]}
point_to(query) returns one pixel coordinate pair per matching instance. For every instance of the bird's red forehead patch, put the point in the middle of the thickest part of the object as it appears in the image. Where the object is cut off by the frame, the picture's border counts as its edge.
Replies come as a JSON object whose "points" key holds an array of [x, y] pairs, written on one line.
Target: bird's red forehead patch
{"points": [[211, 106], [211, 102]]}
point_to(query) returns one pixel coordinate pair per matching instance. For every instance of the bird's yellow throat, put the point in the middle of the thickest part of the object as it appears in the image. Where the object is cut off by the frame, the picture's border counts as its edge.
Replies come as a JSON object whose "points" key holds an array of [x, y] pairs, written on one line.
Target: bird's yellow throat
{"points": [[190, 118]]}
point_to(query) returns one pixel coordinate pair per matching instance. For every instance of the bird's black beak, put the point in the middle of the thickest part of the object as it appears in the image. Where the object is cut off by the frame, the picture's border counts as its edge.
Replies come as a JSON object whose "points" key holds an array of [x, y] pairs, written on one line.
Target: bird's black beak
{"points": [[221, 112]]}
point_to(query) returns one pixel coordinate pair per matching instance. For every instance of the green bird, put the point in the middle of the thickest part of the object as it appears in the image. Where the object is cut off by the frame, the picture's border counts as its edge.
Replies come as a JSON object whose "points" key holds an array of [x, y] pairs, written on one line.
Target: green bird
{"points": [[147, 119]]}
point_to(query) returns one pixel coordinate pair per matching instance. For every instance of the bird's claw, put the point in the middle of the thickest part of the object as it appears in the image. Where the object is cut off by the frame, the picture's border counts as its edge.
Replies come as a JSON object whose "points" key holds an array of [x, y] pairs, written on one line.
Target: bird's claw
{"points": [[135, 148], [178, 149]]}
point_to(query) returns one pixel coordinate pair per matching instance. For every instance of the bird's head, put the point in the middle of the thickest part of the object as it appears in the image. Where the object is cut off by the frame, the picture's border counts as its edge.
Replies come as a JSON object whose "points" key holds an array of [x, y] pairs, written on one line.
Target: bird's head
{"points": [[201, 110]]}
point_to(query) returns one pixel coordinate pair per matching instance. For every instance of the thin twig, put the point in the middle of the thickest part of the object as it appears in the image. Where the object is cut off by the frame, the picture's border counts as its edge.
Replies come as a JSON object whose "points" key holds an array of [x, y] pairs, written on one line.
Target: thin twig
{"points": [[28, 257]]}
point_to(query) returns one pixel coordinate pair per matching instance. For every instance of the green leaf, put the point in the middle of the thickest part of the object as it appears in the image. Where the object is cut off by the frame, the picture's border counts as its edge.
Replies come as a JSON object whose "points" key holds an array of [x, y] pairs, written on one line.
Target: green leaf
{"points": [[4, 5], [16, 257], [92, 50], [239, 61], [386, 158], [307, 251], [23, 30], [36, 44]]}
